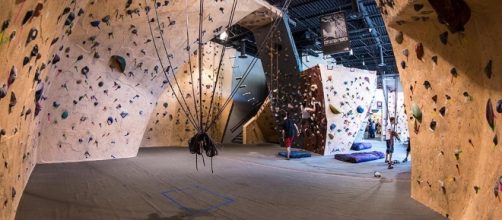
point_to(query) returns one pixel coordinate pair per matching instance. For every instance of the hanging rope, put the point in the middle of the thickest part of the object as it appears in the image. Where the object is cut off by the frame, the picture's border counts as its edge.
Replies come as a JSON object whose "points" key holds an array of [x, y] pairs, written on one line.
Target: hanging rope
{"points": [[222, 55], [201, 22], [190, 60], [192, 121]]}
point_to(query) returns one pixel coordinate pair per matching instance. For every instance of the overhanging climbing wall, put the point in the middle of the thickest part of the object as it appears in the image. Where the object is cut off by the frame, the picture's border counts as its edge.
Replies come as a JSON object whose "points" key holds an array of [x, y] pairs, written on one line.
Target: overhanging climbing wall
{"points": [[97, 110], [90, 106], [280, 61], [167, 125], [347, 97], [313, 129], [451, 74]]}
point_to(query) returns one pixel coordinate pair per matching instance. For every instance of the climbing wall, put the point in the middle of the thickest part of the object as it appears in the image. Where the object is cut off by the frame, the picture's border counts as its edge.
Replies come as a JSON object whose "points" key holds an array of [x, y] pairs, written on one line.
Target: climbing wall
{"points": [[166, 126], [313, 129], [79, 79], [261, 128], [348, 94], [99, 109], [27, 30], [450, 71]]}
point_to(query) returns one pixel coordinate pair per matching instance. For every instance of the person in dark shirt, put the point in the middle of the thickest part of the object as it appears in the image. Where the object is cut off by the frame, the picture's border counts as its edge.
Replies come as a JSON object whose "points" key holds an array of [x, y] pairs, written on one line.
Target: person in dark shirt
{"points": [[289, 131]]}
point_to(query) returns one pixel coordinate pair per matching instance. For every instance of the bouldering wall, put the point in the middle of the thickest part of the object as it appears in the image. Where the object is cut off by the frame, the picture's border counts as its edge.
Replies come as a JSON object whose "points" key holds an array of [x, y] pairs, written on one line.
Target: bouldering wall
{"points": [[261, 128], [169, 127], [313, 129], [108, 79], [450, 62], [348, 94], [27, 32], [78, 78]]}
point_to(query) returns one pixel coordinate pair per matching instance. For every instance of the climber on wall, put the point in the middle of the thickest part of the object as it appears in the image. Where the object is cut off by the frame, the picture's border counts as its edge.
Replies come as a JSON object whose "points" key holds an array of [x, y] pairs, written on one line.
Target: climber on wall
{"points": [[389, 139], [289, 130]]}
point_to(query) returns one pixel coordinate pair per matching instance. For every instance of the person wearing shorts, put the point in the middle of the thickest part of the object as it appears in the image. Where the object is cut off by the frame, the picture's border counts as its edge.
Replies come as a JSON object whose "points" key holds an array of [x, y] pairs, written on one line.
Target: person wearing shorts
{"points": [[289, 130], [389, 139]]}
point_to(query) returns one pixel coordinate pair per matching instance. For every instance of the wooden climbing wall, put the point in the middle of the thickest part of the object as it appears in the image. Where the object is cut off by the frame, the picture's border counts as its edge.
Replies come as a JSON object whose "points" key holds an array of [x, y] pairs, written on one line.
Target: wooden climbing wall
{"points": [[313, 129], [450, 72], [79, 79]]}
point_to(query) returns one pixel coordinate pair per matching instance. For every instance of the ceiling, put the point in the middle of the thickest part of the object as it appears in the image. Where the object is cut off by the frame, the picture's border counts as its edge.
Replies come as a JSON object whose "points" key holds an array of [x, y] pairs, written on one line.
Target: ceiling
{"points": [[365, 25]]}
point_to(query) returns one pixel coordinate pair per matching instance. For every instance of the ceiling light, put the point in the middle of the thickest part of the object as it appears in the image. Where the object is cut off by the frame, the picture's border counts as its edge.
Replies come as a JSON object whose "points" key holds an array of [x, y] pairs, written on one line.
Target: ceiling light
{"points": [[224, 35]]}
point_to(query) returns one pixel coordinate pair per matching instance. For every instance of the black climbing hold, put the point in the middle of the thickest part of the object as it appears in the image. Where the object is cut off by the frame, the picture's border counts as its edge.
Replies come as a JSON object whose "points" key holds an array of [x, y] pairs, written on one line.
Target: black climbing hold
{"points": [[419, 50], [165, 104], [496, 140], [490, 115], [55, 104], [12, 76], [84, 71], [399, 38], [433, 125], [403, 65], [123, 114], [12, 102], [444, 37], [95, 23], [27, 16], [5, 25], [454, 72], [56, 59], [26, 60], [109, 121], [34, 51], [435, 59], [69, 19], [427, 84], [499, 106], [488, 69], [3, 92], [442, 111], [418, 7], [100, 84], [106, 19]]}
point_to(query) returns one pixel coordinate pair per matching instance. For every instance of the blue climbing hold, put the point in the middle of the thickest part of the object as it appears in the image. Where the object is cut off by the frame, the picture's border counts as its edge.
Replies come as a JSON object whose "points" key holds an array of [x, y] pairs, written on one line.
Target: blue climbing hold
{"points": [[332, 127], [360, 109]]}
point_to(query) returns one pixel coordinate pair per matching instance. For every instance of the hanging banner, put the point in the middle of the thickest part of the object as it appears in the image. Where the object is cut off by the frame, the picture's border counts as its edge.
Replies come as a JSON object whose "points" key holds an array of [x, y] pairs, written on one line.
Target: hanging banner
{"points": [[335, 37]]}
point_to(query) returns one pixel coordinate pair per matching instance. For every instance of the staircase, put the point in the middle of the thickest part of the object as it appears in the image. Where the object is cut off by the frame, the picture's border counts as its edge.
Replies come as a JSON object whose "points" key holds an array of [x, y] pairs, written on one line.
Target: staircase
{"points": [[237, 139]]}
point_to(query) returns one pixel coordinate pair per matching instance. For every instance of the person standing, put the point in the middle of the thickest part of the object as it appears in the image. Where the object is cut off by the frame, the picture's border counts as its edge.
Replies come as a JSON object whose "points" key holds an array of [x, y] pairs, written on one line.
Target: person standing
{"points": [[389, 139], [408, 149], [289, 131]]}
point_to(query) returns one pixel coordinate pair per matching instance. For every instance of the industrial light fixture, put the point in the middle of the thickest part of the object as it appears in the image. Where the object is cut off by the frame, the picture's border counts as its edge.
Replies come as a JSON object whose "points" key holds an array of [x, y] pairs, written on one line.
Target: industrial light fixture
{"points": [[224, 35]]}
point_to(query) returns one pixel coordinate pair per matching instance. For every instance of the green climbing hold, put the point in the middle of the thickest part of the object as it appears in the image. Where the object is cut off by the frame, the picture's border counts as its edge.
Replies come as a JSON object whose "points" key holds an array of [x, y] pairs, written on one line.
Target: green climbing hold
{"points": [[118, 62], [64, 115], [417, 113], [334, 109]]}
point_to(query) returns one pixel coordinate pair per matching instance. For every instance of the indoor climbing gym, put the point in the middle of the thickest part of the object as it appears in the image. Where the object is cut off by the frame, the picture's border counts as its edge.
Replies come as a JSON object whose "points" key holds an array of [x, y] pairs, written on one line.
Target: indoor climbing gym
{"points": [[250, 109]]}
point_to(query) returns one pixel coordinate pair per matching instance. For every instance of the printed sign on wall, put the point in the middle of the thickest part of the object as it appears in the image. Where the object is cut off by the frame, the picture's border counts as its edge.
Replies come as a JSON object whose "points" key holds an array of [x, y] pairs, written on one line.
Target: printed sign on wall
{"points": [[334, 33]]}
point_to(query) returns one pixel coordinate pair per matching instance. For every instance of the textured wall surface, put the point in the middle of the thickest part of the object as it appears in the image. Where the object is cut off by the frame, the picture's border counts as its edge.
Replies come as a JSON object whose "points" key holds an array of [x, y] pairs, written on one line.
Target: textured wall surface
{"points": [[56, 64], [169, 127], [454, 80], [347, 97], [313, 129]]}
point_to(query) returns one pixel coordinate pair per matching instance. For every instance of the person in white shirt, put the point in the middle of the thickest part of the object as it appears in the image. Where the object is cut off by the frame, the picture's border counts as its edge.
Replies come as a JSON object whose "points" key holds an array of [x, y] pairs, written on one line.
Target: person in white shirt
{"points": [[390, 134]]}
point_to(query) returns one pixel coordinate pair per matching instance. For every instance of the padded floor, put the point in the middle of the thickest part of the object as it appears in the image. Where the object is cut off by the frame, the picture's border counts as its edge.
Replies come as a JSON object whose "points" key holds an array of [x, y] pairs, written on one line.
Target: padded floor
{"points": [[248, 183]]}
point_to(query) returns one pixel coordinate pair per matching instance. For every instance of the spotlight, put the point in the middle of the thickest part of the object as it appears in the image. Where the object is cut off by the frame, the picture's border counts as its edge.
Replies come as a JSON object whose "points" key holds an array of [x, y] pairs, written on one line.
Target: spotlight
{"points": [[224, 35]]}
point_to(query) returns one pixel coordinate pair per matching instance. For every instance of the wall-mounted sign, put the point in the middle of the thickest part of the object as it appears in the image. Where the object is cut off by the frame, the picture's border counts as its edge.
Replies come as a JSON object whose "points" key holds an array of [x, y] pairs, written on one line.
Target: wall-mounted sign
{"points": [[334, 33]]}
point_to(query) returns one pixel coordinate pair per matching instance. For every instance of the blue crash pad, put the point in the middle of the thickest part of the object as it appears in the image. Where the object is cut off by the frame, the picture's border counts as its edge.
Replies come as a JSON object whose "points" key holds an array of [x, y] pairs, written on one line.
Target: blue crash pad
{"points": [[360, 146], [360, 156], [295, 154]]}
